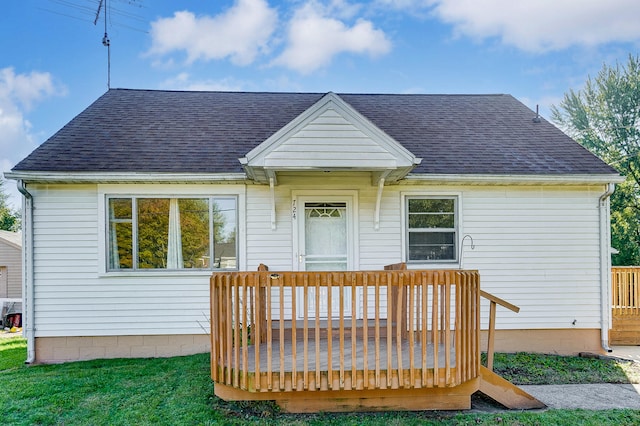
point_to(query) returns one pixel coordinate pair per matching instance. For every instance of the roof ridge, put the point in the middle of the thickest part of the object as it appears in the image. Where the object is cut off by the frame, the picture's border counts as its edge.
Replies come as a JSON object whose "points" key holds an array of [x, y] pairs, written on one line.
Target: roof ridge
{"points": [[127, 89]]}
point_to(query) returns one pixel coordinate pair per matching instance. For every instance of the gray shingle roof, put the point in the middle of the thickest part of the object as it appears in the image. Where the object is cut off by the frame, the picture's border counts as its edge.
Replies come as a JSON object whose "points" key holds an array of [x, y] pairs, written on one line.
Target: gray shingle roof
{"points": [[206, 132]]}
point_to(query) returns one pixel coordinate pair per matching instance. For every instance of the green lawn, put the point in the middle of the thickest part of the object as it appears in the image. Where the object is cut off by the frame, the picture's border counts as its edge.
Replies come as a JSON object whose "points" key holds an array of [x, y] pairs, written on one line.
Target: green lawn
{"points": [[537, 369], [178, 391]]}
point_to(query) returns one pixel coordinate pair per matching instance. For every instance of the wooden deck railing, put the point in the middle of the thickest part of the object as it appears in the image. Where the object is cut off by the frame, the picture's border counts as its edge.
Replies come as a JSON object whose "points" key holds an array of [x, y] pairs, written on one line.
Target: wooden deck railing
{"points": [[288, 331], [625, 290], [493, 302]]}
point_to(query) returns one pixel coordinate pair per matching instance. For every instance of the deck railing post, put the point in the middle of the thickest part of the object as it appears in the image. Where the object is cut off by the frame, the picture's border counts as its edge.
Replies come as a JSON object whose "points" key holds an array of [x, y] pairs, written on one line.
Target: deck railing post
{"points": [[214, 329], [491, 334], [494, 301]]}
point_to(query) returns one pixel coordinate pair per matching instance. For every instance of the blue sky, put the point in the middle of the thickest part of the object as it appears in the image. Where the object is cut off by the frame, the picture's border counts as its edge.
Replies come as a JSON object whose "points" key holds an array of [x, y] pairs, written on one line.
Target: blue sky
{"points": [[53, 63]]}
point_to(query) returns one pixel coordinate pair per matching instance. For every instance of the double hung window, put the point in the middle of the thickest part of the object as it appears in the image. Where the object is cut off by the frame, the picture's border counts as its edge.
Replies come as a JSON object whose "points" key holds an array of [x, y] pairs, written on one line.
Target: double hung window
{"points": [[156, 233], [432, 224]]}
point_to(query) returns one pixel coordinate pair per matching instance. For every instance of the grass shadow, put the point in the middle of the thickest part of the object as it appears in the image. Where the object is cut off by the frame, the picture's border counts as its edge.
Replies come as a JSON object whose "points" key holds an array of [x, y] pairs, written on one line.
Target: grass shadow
{"points": [[542, 369]]}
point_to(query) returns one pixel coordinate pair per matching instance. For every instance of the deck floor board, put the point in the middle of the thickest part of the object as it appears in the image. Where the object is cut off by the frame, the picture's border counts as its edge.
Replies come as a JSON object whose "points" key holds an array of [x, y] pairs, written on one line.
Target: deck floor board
{"points": [[348, 358]]}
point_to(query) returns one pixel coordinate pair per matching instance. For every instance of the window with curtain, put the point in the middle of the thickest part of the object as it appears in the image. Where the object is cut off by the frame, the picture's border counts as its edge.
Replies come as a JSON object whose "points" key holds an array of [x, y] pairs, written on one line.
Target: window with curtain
{"points": [[432, 229], [149, 233]]}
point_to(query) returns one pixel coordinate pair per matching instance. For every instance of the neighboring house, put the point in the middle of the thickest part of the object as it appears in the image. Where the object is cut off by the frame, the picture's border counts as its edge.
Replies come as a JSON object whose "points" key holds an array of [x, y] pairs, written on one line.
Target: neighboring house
{"points": [[133, 204], [10, 265], [10, 273]]}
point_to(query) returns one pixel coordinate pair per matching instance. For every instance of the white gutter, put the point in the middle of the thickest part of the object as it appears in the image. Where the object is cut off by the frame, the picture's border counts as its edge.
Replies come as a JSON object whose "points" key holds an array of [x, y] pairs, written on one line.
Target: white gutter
{"points": [[605, 265], [89, 177], [116, 177], [28, 316], [575, 179]]}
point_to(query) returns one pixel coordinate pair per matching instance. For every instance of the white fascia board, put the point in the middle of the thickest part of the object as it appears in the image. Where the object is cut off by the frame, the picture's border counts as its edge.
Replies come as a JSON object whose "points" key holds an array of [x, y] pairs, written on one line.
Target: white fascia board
{"points": [[575, 179], [89, 177]]}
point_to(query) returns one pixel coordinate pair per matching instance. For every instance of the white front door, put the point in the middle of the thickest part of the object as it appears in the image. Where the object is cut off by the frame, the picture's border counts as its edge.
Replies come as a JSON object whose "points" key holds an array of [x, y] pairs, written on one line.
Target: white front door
{"points": [[325, 237], [325, 243]]}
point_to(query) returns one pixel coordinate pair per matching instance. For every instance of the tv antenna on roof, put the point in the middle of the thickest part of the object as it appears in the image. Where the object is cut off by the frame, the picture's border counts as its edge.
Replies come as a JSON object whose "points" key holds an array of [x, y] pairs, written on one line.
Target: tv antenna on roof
{"points": [[95, 10], [105, 40]]}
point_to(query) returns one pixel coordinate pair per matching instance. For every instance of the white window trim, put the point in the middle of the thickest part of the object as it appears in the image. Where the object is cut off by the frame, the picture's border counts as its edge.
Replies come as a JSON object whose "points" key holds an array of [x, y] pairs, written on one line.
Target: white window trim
{"points": [[168, 191], [434, 264]]}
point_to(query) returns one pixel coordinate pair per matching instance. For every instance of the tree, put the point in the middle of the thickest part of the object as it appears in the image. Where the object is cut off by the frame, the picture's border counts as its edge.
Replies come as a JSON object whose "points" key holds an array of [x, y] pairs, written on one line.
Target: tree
{"points": [[605, 118], [9, 218]]}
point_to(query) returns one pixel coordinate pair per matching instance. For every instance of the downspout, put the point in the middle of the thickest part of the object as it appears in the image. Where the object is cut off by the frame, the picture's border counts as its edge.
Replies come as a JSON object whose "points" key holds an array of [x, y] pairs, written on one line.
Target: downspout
{"points": [[28, 316], [605, 265]]}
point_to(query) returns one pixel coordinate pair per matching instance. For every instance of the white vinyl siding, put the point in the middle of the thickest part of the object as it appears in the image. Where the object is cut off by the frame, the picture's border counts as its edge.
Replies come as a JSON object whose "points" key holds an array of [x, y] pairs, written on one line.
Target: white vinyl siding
{"points": [[330, 141], [538, 248], [516, 231], [535, 246], [73, 295], [264, 245]]}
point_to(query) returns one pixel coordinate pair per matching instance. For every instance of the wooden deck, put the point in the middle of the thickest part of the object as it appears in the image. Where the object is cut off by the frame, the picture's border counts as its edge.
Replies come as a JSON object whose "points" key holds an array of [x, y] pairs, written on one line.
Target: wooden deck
{"points": [[398, 339], [625, 306]]}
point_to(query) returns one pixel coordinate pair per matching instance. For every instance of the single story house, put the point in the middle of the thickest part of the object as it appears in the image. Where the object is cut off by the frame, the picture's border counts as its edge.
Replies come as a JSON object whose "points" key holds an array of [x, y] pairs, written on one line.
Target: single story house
{"points": [[131, 206]]}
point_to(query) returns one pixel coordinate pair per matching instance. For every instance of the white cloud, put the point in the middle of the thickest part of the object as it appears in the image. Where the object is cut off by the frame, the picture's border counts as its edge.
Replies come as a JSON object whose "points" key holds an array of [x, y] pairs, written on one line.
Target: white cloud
{"points": [[18, 95], [405, 4], [314, 38], [25, 89], [240, 33], [541, 25], [342, 9], [184, 81]]}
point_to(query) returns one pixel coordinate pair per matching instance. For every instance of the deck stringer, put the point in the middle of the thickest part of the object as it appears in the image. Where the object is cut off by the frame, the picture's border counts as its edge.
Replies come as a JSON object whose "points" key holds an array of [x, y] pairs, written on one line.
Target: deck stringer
{"points": [[505, 392]]}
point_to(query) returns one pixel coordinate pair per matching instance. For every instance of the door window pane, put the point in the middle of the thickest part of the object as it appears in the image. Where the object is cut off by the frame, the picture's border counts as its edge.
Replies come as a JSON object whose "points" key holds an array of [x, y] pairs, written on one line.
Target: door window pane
{"points": [[325, 236]]}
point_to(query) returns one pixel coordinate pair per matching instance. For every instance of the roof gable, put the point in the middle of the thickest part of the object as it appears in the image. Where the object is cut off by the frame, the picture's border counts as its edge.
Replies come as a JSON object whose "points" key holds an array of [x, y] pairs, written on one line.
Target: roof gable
{"points": [[329, 135]]}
